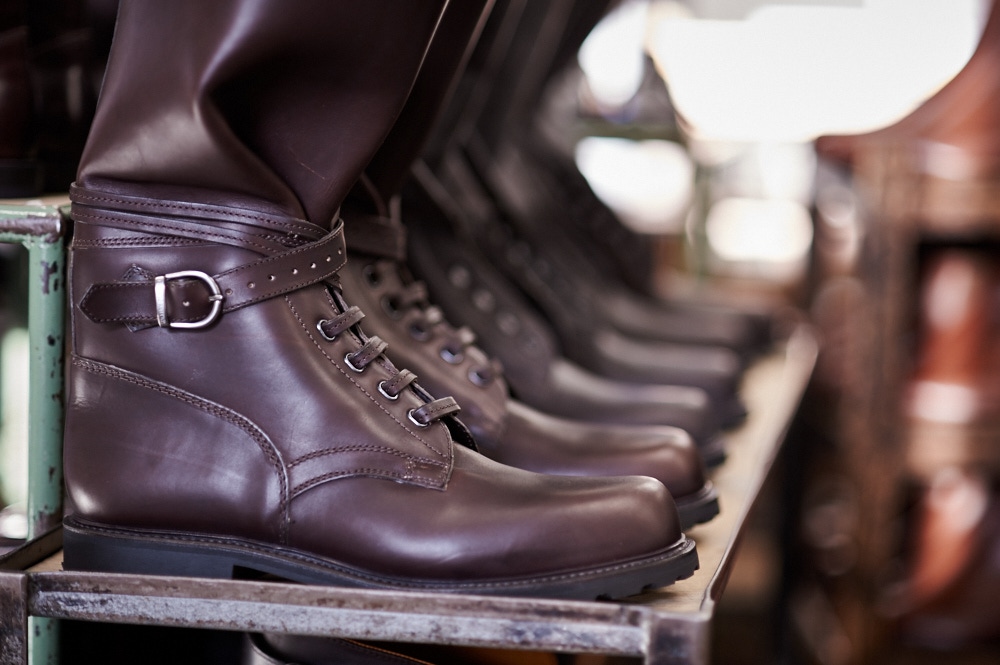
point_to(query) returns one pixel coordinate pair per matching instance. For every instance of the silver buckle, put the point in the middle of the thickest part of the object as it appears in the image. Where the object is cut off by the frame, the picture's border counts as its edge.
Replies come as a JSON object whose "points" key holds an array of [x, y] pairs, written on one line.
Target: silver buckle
{"points": [[160, 294]]}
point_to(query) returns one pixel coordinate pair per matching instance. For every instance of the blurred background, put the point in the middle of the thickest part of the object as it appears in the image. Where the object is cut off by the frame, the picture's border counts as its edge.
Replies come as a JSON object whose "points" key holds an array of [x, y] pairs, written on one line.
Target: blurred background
{"points": [[838, 158]]}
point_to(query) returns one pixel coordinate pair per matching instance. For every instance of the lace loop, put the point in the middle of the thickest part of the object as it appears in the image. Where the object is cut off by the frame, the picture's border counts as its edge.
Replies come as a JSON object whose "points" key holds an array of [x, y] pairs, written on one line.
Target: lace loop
{"points": [[433, 410], [414, 296], [330, 328], [373, 347]]}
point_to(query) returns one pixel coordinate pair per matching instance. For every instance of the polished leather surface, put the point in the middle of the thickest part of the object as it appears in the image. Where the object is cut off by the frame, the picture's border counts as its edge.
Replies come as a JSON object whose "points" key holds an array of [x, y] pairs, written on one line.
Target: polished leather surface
{"points": [[215, 118], [262, 419], [259, 427], [461, 280], [506, 430], [508, 235]]}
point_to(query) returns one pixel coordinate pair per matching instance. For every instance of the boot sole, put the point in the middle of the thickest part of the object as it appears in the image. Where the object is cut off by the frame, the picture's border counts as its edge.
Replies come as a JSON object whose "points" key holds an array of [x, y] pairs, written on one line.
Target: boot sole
{"points": [[713, 452], [699, 507], [96, 548]]}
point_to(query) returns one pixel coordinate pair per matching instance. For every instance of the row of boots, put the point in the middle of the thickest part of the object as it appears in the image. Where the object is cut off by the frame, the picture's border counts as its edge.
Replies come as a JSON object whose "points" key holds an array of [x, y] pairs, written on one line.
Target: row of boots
{"points": [[341, 315]]}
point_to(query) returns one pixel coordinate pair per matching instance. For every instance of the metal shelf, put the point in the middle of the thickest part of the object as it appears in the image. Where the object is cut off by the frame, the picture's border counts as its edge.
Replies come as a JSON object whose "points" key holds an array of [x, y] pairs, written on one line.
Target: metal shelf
{"points": [[670, 625]]}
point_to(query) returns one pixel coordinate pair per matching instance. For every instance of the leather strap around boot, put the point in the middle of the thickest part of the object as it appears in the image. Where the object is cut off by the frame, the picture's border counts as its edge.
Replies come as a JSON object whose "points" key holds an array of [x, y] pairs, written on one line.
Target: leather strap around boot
{"points": [[194, 299], [375, 235]]}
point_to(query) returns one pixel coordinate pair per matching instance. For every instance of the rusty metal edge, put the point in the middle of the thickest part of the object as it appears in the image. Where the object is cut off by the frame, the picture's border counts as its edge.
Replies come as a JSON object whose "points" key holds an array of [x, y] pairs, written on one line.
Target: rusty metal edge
{"points": [[536, 624]]}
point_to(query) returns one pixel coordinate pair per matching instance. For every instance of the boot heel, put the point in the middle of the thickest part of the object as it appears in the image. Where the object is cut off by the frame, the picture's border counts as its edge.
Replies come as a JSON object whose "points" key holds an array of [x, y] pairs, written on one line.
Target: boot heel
{"points": [[89, 550]]}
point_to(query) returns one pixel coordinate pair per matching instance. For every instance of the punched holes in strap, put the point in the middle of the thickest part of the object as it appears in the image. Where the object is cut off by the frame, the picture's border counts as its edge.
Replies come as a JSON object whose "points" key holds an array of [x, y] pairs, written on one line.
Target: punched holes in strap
{"points": [[191, 299]]}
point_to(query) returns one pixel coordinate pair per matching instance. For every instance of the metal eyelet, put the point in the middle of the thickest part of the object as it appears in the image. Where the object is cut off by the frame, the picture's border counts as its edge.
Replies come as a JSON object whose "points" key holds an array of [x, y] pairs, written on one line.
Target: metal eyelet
{"points": [[385, 394], [419, 333], [451, 356], [459, 276], [390, 308], [476, 377], [323, 333], [371, 275], [409, 414], [347, 359]]}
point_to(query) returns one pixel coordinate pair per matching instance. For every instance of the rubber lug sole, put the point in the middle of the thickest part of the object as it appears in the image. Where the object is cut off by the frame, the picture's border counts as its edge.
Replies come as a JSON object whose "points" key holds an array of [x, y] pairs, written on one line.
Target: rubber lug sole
{"points": [[699, 507]]}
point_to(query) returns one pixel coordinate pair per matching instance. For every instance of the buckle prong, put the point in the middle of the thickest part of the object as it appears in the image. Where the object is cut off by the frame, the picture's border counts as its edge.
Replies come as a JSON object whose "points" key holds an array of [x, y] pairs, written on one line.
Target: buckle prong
{"points": [[160, 294]]}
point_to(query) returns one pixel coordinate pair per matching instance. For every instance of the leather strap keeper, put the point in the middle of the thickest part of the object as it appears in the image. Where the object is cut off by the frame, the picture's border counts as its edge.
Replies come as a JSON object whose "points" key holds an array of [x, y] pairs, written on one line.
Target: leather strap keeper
{"points": [[188, 301]]}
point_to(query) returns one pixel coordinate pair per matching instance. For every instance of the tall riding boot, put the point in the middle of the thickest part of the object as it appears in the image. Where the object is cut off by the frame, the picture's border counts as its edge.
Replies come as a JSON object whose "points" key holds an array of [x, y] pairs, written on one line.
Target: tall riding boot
{"points": [[447, 360], [550, 207], [477, 174], [224, 407]]}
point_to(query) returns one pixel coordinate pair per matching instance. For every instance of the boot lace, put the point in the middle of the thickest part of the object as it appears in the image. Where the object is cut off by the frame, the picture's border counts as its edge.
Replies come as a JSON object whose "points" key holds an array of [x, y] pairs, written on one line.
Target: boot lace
{"points": [[429, 319], [371, 349]]}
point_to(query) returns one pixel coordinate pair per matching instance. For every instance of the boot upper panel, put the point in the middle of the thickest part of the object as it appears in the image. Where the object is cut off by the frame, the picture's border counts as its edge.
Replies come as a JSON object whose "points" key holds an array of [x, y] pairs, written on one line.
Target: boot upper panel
{"points": [[464, 372], [269, 363], [492, 519], [146, 454]]}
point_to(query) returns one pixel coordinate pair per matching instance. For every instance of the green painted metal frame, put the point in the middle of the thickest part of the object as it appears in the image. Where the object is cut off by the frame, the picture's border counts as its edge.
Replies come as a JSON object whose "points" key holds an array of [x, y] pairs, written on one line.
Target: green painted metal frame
{"points": [[41, 229]]}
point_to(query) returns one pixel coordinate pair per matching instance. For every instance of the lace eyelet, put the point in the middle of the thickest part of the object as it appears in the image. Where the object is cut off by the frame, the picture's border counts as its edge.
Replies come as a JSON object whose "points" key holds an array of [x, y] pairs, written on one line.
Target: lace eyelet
{"points": [[479, 378], [459, 276], [384, 392], [483, 300], [419, 333], [347, 359], [371, 275], [508, 323], [389, 307], [451, 356], [409, 414], [323, 333]]}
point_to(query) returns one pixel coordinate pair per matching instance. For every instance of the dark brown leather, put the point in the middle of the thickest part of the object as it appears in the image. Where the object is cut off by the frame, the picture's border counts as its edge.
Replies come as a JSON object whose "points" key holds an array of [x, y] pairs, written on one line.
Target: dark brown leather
{"points": [[515, 234], [462, 282], [448, 362], [257, 441]]}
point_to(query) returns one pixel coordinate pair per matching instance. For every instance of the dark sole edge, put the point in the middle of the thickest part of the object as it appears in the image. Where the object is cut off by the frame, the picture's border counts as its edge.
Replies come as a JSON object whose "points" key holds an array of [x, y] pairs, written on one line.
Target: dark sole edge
{"points": [[98, 548], [698, 508]]}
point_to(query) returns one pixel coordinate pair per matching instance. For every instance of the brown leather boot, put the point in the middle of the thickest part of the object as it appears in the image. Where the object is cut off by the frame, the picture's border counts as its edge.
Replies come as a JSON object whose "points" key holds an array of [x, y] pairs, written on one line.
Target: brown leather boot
{"points": [[446, 359], [449, 363], [224, 408]]}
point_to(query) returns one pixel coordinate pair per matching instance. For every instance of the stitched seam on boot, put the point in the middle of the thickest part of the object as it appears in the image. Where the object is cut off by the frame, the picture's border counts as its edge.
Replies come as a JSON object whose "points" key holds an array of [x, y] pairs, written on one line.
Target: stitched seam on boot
{"points": [[216, 410], [305, 328], [346, 473], [162, 227], [84, 198], [375, 449], [139, 242]]}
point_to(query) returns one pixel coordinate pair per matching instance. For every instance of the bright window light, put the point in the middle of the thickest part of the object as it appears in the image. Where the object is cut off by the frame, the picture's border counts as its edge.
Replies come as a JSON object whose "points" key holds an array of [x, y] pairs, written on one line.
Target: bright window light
{"points": [[794, 71]]}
